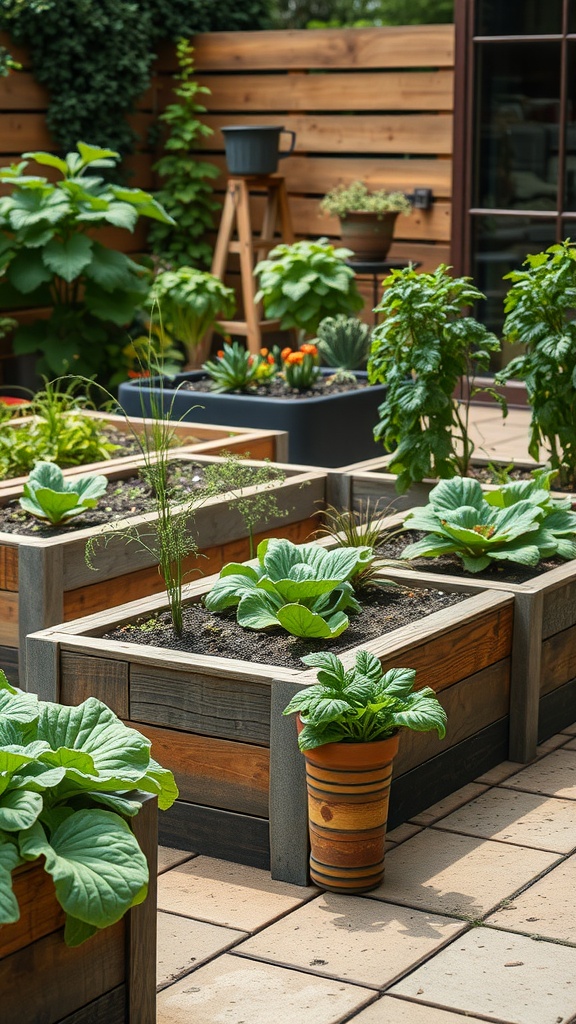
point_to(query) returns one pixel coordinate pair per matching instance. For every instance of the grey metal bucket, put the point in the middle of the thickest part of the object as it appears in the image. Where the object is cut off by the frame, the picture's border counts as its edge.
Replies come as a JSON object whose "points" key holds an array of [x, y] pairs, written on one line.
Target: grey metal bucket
{"points": [[254, 149]]}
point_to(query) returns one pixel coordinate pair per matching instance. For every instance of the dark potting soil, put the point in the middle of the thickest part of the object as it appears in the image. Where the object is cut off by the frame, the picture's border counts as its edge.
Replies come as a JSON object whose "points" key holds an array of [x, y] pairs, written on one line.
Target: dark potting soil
{"points": [[278, 389], [443, 565], [485, 475], [383, 609], [127, 497]]}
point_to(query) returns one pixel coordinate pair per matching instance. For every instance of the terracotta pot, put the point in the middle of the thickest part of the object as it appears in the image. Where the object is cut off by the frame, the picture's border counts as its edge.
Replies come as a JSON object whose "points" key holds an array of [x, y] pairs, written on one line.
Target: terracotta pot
{"points": [[348, 788], [368, 235]]}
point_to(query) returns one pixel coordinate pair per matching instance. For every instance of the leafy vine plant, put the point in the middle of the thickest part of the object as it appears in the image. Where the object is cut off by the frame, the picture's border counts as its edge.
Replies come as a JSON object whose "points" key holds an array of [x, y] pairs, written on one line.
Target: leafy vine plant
{"points": [[422, 349]]}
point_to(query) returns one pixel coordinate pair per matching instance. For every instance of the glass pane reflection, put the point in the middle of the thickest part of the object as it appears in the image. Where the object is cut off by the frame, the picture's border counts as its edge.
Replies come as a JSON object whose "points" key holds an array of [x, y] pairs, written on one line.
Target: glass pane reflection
{"points": [[516, 123], [518, 17]]}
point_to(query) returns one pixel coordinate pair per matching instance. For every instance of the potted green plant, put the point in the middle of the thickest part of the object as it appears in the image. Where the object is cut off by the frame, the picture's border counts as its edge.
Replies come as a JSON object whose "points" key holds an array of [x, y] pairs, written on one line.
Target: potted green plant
{"points": [[185, 304], [367, 218], [540, 308], [73, 778], [348, 732]]}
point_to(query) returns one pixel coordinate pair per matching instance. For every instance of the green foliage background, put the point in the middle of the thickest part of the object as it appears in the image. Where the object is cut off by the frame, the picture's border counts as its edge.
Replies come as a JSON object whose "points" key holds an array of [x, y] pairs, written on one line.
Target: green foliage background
{"points": [[349, 13]]}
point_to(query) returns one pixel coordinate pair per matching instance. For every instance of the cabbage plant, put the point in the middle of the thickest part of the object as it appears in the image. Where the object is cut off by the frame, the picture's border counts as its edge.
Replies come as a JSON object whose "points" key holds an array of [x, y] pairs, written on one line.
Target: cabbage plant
{"points": [[301, 587], [518, 522], [53, 499], [68, 781]]}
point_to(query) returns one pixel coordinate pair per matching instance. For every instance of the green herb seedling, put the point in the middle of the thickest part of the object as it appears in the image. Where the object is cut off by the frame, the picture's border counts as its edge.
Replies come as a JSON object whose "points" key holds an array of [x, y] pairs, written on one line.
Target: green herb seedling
{"points": [[53, 499]]}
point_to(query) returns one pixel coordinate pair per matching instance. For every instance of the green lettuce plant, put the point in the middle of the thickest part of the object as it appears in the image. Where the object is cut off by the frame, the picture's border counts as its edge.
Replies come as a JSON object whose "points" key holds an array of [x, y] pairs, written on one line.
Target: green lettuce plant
{"points": [[304, 282], [301, 587], [50, 255], [540, 307], [362, 703], [518, 522], [186, 303], [69, 778], [422, 349], [50, 497]]}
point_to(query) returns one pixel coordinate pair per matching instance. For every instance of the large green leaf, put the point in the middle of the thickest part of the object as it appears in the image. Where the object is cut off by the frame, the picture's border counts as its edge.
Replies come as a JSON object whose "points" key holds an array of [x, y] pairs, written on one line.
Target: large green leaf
{"points": [[111, 269], [9, 859], [19, 809], [68, 258], [17, 705], [422, 712], [255, 611], [96, 863], [300, 621], [27, 271], [228, 590], [453, 494]]}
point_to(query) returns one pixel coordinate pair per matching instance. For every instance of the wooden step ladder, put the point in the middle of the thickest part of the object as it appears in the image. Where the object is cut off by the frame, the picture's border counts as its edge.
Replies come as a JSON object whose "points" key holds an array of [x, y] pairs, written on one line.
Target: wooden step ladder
{"points": [[250, 248]]}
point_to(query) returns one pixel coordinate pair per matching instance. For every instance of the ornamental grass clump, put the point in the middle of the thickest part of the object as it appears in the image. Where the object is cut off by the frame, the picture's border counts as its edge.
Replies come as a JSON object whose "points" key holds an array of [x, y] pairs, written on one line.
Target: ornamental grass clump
{"points": [[303, 588], [362, 703], [70, 777], [421, 350], [520, 522], [540, 308]]}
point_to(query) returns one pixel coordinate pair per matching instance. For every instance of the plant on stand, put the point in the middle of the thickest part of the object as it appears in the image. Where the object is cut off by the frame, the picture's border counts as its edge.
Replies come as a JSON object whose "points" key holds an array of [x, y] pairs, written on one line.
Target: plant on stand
{"points": [[423, 348], [540, 308], [367, 218], [348, 732]]}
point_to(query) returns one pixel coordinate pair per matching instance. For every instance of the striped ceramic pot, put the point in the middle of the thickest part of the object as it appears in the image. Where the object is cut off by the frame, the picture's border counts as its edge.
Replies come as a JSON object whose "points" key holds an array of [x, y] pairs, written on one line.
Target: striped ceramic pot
{"points": [[348, 792]]}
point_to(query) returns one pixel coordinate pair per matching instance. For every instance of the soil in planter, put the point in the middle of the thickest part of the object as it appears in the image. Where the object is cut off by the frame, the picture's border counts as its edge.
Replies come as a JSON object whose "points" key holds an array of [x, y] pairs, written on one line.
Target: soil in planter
{"points": [[485, 475], [130, 496], [277, 388], [383, 609], [450, 565]]}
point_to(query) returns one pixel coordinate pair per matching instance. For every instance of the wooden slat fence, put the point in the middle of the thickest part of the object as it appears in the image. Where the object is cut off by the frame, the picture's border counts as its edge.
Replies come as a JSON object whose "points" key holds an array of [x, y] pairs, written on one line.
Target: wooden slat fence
{"points": [[373, 103]]}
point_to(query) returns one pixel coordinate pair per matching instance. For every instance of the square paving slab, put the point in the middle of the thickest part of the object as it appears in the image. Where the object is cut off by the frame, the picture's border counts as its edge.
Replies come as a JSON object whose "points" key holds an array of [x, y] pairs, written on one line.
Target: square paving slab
{"points": [[353, 938], [392, 1010], [184, 944], [168, 858], [231, 990], [454, 874], [230, 894], [542, 822], [553, 775], [546, 908]]}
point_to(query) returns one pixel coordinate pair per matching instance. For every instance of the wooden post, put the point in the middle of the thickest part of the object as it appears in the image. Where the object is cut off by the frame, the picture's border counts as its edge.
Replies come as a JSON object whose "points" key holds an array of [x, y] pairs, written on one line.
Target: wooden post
{"points": [[525, 675], [41, 592], [289, 843]]}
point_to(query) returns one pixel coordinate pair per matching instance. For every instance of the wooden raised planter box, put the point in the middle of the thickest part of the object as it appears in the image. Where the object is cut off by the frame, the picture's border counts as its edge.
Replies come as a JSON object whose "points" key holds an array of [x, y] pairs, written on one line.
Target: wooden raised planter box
{"points": [[110, 979], [543, 671], [189, 437], [44, 581], [217, 722]]}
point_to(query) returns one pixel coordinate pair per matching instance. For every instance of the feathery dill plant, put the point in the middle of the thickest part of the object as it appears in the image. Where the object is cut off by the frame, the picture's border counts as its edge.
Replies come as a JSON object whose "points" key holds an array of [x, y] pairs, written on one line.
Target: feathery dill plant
{"points": [[239, 478]]}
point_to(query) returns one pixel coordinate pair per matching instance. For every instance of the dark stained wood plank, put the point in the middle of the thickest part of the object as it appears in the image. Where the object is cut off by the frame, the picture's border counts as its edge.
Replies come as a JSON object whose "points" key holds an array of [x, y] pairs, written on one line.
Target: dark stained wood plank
{"points": [[22, 92], [107, 1009], [21, 132], [83, 677], [40, 913], [9, 663], [557, 710], [240, 838], [558, 660], [200, 703], [560, 603], [213, 772]]}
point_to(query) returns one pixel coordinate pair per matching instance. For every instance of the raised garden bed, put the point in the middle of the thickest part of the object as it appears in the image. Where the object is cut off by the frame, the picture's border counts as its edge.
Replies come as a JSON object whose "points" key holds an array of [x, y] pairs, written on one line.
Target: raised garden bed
{"points": [[323, 429], [44, 581], [111, 977], [191, 437], [217, 722]]}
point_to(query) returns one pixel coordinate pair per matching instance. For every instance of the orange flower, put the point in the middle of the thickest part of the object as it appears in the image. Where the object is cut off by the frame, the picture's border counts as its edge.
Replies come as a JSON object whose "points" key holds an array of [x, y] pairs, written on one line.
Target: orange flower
{"points": [[309, 349], [295, 358], [263, 351], [250, 360], [270, 359], [220, 353], [138, 373], [285, 353]]}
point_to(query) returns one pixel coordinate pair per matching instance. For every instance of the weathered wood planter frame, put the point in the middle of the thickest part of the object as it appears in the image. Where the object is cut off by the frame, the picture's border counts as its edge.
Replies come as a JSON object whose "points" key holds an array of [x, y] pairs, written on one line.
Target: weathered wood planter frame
{"points": [[189, 437], [217, 722], [543, 671], [110, 978], [44, 581]]}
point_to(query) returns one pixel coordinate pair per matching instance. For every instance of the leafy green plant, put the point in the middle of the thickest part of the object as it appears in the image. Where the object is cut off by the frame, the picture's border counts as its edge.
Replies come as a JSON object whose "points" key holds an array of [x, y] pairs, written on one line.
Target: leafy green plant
{"points": [[70, 777], [301, 587], [59, 432], [357, 198], [300, 369], [306, 281], [363, 703], [50, 497], [344, 342], [234, 369], [50, 256], [518, 522], [186, 192], [248, 488], [421, 350], [540, 307], [185, 303], [360, 527]]}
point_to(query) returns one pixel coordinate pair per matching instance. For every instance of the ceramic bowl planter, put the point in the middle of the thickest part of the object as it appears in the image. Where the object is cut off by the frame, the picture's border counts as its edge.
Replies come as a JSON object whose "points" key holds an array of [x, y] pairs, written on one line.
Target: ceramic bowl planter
{"points": [[217, 721], [44, 581], [329, 430]]}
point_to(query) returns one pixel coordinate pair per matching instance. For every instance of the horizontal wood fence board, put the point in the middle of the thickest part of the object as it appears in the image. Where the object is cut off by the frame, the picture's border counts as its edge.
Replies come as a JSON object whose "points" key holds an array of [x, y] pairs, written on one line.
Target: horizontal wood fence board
{"points": [[355, 90], [22, 92], [471, 705], [558, 662], [420, 134], [213, 772], [90, 969], [415, 46], [23, 131], [559, 609]]}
